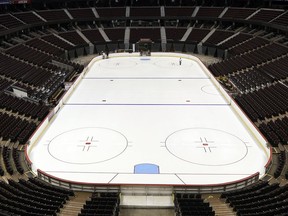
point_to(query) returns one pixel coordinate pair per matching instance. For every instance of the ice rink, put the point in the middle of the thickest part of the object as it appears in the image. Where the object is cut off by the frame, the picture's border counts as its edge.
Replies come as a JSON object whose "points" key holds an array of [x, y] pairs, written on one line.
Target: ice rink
{"points": [[151, 121]]}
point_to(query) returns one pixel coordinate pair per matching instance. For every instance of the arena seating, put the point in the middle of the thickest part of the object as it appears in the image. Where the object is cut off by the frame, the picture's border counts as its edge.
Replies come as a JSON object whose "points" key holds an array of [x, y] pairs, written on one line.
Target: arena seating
{"points": [[53, 15], [6, 152], [28, 54], [249, 59], [145, 12], [238, 13], [179, 11], [137, 33], [259, 199], [9, 21], [115, 34], [217, 37], [209, 12], [197, 35], [37, 43], [82, 13], [281, 20], [27, 198], [28, 17], [250, 80], [23, 107], [265, 15], [111, 12], [4, 84], [276, 131], [281, 163], [102, 204], [171, 34], [73, 37], [191, 204], [255, 62], [57, 42], [94, 36], [248, 45], [240, 38], [267, 102], [14, 128], [2, 172], [17, 160]]}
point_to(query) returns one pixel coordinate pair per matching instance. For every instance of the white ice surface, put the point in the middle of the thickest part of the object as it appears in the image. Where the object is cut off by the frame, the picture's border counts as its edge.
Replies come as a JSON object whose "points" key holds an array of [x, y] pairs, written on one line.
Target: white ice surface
{"points": [[190, 132], [146, 91]]}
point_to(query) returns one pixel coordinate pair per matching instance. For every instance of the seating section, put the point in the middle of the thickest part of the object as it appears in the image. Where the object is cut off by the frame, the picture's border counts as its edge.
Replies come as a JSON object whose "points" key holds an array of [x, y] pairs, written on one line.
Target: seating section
{"points": [[265, 15], [276, 131], [53, 15], [197, 35], [179, 11], [18, 19], [44, 46], [171, 34], [281, 163], [23, 107], [238, 13], [6, 154], [57, 42], [261, 76], [251, 80], [115, 34], [111, 12], [248, 45], [2, 169], [191, 204], [94, 36], [15, 129], [217, 37], [276, 69], [3, 28], [18, 157], [73, 37], [28, 54], [10, 22], [102, 204], [259, 199], [209, 12], [236, 40], [4, 84], [26, 73], [49, 77], [28, 17], [281, 20], [266, 102], [249, 59], [137, 33], [82, 13], [12, 159], [28, 198], [145, 12], [37, 183]]}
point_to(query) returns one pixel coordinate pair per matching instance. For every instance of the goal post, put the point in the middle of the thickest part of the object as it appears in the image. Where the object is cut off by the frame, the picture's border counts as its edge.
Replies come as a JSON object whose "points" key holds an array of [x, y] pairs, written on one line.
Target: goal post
{"points": [[145, 46]]}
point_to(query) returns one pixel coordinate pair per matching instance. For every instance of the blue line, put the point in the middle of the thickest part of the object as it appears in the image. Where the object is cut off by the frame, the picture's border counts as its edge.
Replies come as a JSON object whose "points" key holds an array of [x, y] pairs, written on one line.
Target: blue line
{"points": [[136, 78], [115, 104]]}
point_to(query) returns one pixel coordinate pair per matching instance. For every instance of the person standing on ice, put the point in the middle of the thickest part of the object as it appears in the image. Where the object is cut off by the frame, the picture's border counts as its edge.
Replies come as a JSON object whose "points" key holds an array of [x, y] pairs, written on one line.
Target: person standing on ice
{"points": [[180, 61]]}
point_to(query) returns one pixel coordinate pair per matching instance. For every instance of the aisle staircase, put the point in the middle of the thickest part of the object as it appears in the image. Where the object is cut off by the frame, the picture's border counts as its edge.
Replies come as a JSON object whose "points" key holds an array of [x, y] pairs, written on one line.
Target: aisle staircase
{"points": [[74, 205], [219, 206]]}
